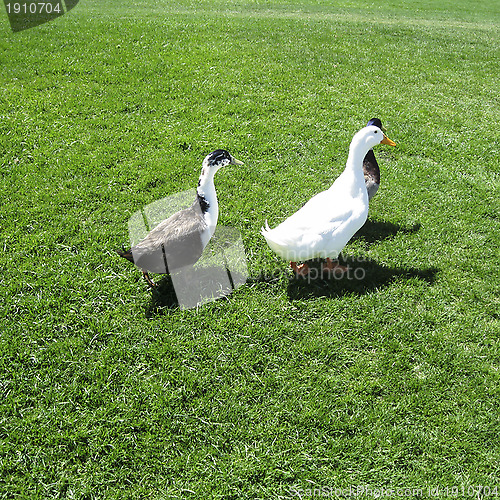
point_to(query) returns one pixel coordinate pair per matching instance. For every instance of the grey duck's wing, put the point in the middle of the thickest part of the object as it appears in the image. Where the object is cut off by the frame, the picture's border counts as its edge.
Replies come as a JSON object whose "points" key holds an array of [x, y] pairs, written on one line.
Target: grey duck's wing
{"points": [[174, 243], [371, 173]]}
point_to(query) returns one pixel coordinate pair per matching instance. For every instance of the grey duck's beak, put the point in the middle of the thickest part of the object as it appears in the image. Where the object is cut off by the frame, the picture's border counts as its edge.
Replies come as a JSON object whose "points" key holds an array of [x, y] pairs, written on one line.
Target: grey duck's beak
{"points": [[234, 161]]}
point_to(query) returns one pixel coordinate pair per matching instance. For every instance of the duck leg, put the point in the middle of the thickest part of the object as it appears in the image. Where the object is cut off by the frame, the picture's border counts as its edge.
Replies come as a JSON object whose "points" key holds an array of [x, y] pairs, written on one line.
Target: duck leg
{"points": [[329, 265], [148, 279], [302, 270]]}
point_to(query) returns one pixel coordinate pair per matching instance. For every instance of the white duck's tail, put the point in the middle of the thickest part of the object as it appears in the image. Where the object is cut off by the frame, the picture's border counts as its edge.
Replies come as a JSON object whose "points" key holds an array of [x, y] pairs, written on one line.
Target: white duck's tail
{"points": [[274, 242], [267, 232], [264, 230]]}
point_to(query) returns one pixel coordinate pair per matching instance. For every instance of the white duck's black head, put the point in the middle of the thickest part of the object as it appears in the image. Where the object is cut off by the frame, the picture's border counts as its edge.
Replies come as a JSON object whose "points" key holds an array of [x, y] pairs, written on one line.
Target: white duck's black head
{"points": [[377, 123]]}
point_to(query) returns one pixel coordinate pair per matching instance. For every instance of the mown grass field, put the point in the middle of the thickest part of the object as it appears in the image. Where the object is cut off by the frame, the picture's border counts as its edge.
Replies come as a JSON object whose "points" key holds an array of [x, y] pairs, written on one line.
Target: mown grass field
{"points": [[109, 391]]}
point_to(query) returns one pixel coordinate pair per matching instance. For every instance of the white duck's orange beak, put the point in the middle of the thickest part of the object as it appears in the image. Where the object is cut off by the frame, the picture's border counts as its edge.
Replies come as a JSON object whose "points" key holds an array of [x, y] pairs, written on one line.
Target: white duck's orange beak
{"points": [[387, 141]]}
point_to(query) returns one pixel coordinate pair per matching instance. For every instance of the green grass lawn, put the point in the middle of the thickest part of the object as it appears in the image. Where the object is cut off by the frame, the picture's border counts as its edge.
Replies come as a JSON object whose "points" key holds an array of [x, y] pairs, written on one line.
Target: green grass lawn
{"points": [[110, 391]]}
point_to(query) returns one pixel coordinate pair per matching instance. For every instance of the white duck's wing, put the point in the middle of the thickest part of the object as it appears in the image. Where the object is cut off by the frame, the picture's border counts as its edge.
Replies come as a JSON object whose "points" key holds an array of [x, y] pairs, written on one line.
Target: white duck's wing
{"points": [[334, 236], [302, 232], [319, 229], [321, 211]]}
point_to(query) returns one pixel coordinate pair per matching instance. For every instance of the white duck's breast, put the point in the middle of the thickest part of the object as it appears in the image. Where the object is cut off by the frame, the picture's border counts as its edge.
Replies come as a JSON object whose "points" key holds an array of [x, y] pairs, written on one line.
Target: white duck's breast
{"points": [[321, 211]]}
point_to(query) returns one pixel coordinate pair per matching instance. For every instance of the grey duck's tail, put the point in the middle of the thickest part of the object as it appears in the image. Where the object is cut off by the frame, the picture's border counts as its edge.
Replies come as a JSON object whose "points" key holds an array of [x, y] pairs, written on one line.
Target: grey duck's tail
{"points": [[126, 254]]}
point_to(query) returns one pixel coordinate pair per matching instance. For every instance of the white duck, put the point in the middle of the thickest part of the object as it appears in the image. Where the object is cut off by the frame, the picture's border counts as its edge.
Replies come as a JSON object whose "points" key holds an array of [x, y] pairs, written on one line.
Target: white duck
{"points": [[324, 225], [180, 240]]}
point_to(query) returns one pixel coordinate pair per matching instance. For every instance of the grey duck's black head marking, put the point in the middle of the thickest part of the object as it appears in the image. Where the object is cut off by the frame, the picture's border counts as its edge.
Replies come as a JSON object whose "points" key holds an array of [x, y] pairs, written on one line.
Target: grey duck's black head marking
{"points": [[218, 156], [376, 122]]}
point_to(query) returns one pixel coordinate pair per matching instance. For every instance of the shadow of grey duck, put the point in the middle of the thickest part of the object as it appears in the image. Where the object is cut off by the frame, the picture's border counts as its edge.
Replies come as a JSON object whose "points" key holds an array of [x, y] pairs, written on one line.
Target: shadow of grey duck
{"points": [[180, 240]]}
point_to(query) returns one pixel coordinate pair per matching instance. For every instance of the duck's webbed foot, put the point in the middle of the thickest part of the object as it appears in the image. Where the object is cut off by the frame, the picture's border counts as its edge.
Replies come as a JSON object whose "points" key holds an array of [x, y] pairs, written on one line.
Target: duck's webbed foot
{"points": [[330, 265], [302, 270], [148, 279]]}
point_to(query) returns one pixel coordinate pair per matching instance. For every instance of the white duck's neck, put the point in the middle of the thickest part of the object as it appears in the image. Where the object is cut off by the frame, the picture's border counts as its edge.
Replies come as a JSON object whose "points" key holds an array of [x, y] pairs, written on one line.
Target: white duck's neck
{"points": [[354, 167], [207, 198]]}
